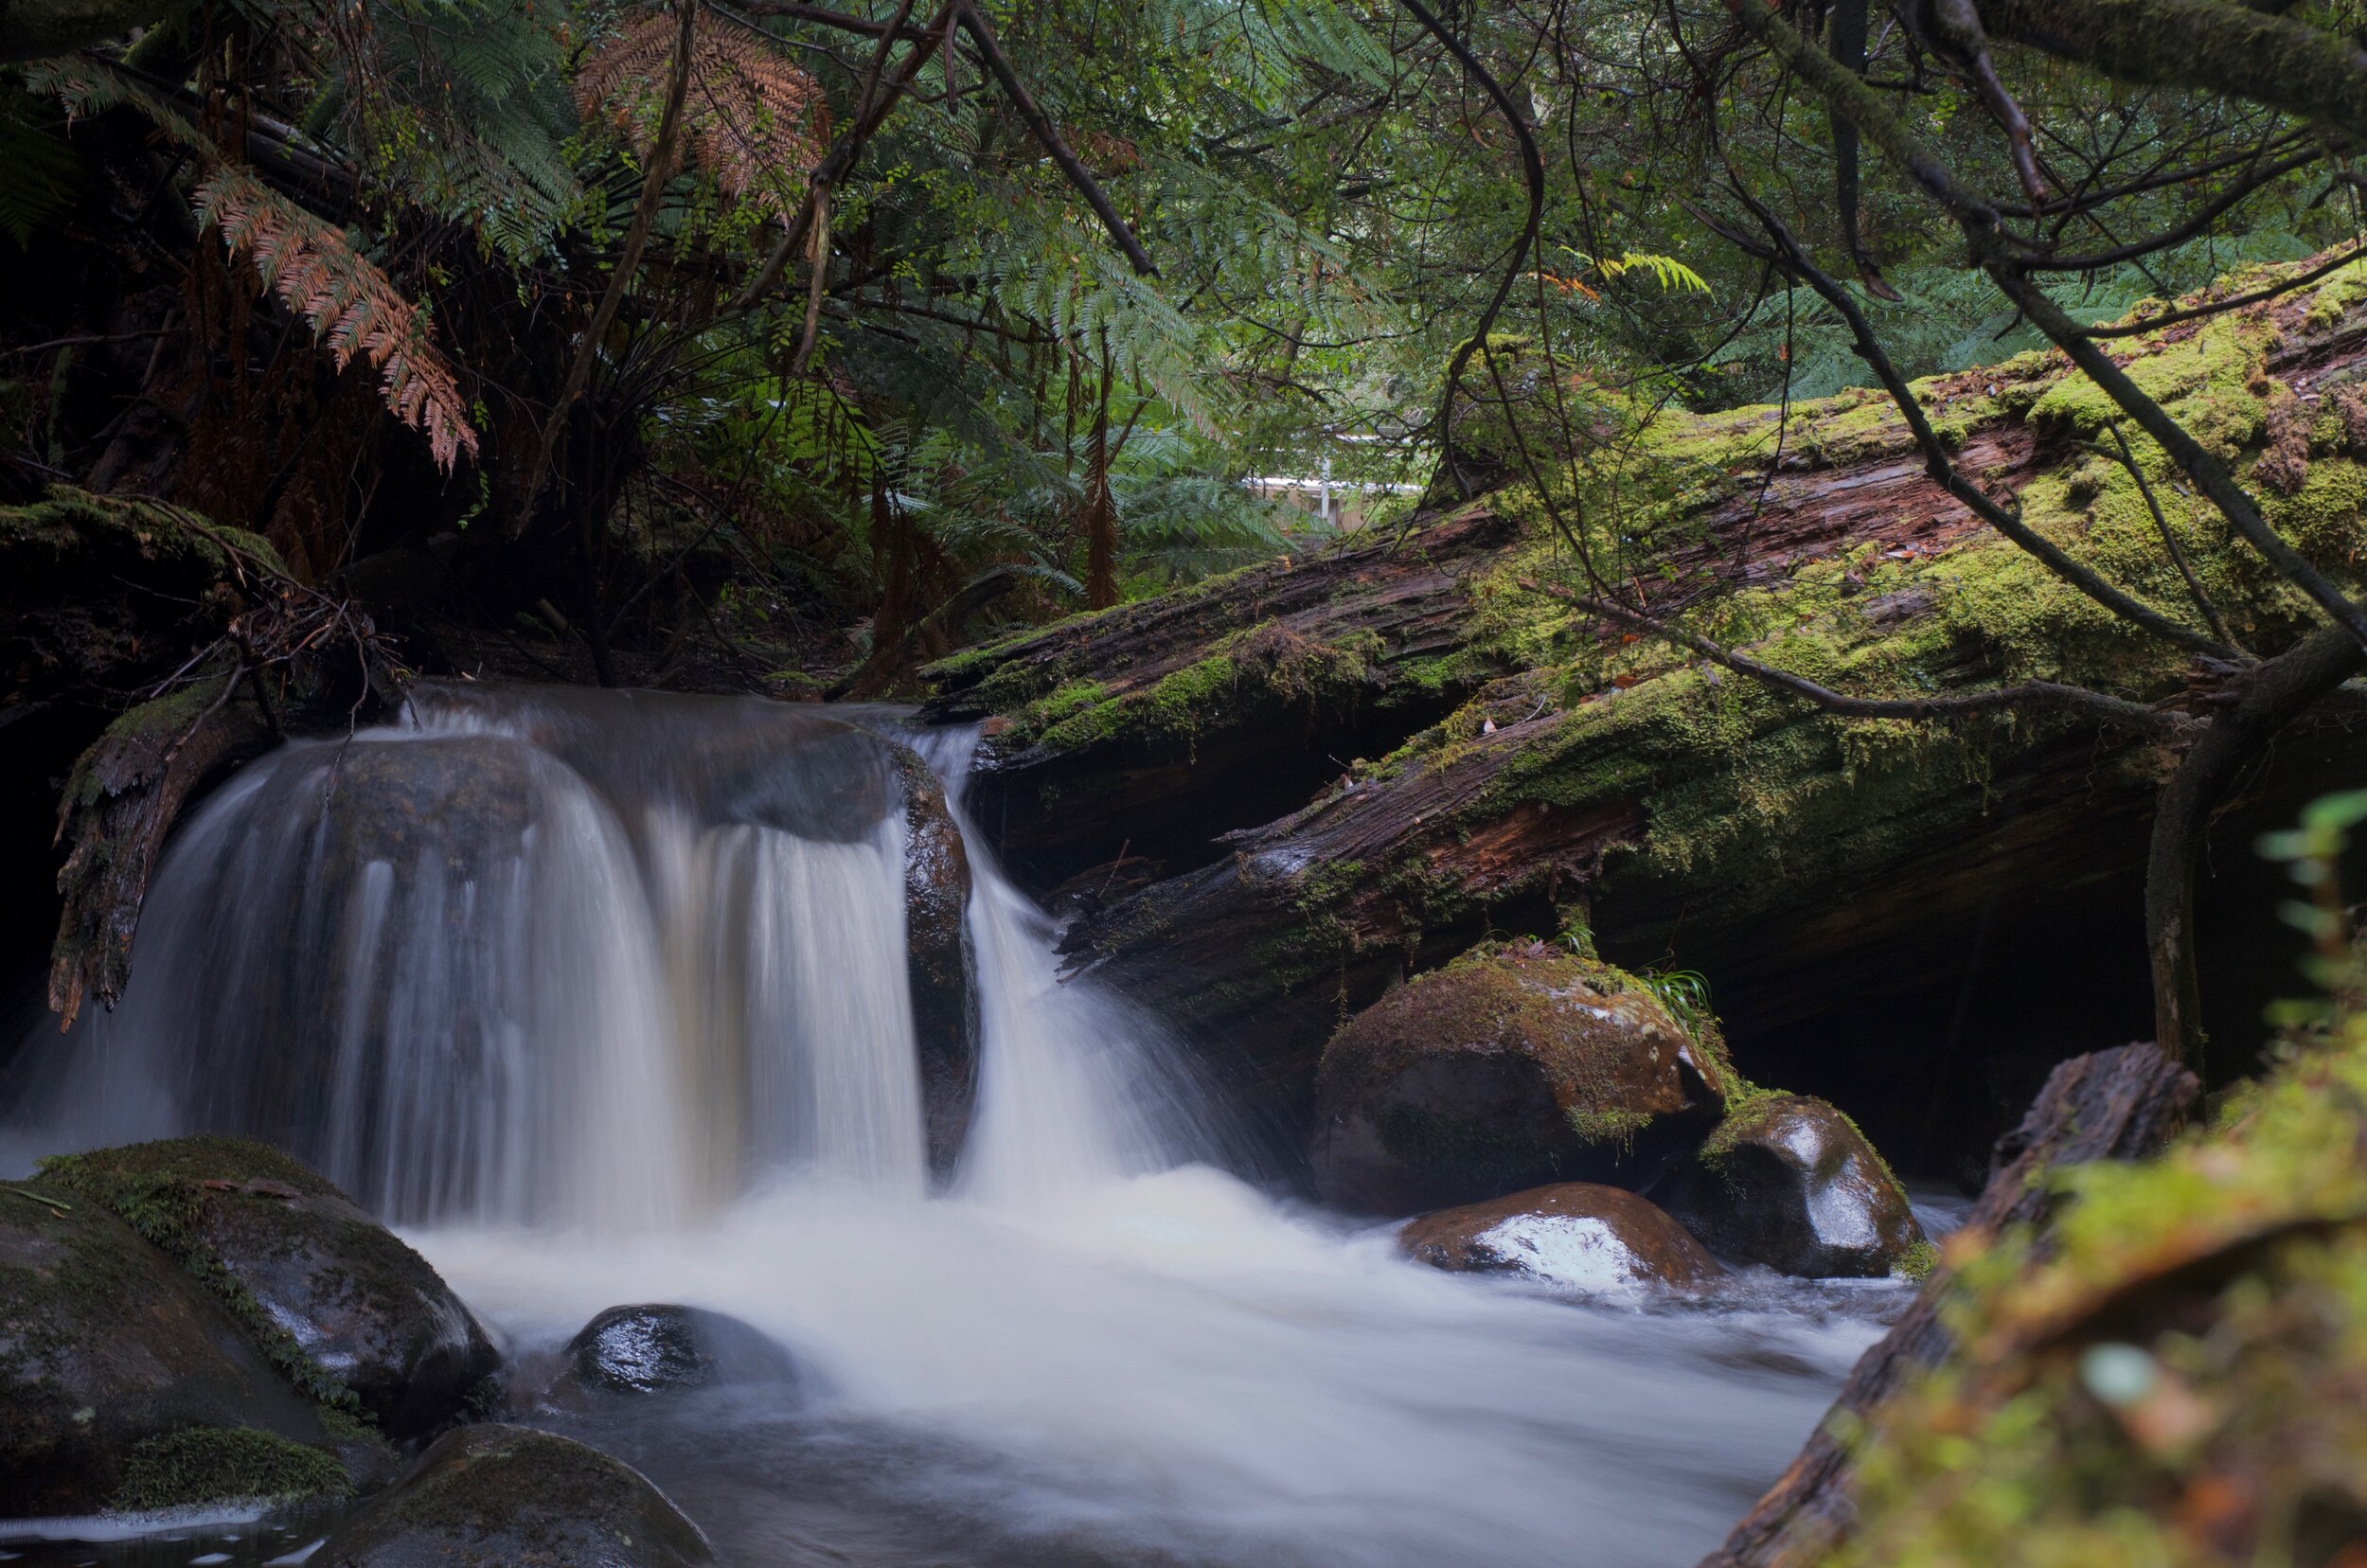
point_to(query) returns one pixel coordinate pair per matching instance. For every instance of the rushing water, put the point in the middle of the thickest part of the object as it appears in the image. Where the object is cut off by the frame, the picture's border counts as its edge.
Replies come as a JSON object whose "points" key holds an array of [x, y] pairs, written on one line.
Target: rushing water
{"points": [[603, 998]]}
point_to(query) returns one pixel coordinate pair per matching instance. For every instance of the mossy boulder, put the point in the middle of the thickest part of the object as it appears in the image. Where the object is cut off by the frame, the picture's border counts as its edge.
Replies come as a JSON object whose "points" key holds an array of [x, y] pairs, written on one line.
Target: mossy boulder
{"points": [[110, 1354], [499, 1496], [1514, 1066], [1578, 1234], [329, 1293], [1789, 1181], [654, 1348], [938, 961]]}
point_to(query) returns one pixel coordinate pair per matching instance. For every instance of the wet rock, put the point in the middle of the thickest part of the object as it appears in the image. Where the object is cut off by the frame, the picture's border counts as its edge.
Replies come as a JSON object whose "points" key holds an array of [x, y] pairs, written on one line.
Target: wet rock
{"points": [[357, 1308], [936, 925], [1575, 1233], [108, 1348], [655, 1347], [1789, 1182], [505, 1497], [1510, 1068]]}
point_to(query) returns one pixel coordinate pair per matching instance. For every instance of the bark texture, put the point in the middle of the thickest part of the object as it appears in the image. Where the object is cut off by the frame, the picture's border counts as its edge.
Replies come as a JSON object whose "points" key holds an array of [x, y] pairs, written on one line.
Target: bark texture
{"points": [[1270, 798]]}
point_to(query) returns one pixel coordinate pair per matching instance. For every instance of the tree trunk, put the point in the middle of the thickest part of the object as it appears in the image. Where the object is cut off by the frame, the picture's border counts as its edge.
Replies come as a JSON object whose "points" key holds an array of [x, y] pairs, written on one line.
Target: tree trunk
{"points": [[2265, 701]]}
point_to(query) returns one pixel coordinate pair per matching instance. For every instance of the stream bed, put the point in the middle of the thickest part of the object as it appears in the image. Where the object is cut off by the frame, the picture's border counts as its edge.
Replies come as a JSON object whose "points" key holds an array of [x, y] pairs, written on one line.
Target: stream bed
{"points": [[610, 999]]}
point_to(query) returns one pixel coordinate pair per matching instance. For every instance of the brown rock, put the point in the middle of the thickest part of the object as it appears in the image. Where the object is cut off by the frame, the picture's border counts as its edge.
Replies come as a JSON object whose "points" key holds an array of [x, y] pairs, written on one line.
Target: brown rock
{"points": [[1575, 1233], [1512, 1067], [1789, 1181]]}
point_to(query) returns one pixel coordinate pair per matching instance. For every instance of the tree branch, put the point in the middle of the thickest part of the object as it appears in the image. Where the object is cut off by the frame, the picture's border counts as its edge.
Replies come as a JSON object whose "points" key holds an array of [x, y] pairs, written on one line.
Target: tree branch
{"points": [[1936, 462], [1048, 135], [1532, 168]]}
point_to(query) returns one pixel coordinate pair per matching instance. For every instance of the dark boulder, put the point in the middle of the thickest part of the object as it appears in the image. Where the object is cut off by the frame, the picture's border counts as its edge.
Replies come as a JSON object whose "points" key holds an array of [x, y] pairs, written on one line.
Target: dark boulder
{"points": [[1789, 1182], [109, 1351], [343, 1300], [1575, 1233], [1512, 1067], [505, 1497], [939, 959], [653, 1348]]}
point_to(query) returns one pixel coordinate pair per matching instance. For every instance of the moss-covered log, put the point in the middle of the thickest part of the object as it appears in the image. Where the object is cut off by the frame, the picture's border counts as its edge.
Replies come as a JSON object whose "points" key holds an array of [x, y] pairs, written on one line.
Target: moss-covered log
{"points": [[1678, 809], [1163, 723], [192, 647]]}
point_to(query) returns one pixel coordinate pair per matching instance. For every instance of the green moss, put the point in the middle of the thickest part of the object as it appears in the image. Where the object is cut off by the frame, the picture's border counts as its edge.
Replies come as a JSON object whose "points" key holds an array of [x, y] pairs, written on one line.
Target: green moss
{"points": [[159, 1191], [1607, 1128], [1915, 1264], [1578, 1018], [2177, 1376], [67, 521], [208, 1464]]}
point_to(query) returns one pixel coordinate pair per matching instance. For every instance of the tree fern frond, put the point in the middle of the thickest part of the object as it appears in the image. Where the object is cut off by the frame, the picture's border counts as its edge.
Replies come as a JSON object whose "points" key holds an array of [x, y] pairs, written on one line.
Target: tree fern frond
{"points": [[353, 307], [750, 110]]}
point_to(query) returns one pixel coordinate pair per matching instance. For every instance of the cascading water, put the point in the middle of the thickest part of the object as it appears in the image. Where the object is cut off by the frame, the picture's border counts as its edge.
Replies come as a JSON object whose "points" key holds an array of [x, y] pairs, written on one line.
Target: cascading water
{"points": [[605, 998]]}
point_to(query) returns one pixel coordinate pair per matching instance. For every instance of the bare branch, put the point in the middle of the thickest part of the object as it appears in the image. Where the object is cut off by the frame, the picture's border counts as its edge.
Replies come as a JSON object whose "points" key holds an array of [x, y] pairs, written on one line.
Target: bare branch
{"points": [[1048, 135], [1936, 462], [1532, 168]]}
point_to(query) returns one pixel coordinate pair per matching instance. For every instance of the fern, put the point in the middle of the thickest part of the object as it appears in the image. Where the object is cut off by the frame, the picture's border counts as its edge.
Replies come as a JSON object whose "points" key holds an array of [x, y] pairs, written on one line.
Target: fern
{"points": [[750, 112], [43, 171], [353, 305]]}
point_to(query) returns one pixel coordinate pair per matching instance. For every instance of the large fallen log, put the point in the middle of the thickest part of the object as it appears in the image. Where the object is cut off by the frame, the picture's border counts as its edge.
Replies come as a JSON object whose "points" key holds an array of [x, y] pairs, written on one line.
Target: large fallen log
{"points": [[1681, 813]]}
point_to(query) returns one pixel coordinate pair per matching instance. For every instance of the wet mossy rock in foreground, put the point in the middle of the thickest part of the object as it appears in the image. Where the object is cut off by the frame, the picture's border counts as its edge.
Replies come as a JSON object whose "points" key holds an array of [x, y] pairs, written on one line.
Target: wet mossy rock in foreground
{"points": [[1789, 1181], [1783, 851], [110, 1354], [1513, 1066], [498, 1496], [1574, 1234], [332, 1295]]}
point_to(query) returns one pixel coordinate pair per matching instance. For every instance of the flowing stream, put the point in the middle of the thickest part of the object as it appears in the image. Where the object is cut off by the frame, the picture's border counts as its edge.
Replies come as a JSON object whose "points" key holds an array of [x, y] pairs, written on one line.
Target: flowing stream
{"points": [[603, 998]]}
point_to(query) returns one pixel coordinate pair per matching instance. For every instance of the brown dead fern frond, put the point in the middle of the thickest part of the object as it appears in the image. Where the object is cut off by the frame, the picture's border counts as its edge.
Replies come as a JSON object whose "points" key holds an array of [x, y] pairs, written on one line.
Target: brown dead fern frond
{"points": [[756, 122], [354, 308]]}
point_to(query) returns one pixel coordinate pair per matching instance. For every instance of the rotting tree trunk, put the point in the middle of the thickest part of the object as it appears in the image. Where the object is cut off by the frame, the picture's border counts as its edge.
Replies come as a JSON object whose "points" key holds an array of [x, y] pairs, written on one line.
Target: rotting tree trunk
{"points": [[2120, 1104], [1163, 723], [1258, 903], [99, 596]]}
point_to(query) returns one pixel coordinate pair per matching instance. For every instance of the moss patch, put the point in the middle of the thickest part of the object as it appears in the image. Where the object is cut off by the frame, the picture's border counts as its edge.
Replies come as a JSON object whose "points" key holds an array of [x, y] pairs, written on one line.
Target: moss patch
{"points": [[2177, 1376], [160, 1188], [226, 1465]]}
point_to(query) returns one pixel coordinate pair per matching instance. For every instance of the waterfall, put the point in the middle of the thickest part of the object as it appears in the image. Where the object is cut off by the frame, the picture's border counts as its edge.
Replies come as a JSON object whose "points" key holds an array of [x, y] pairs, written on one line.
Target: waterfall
{"points": [[595, 959], [608, 997]]}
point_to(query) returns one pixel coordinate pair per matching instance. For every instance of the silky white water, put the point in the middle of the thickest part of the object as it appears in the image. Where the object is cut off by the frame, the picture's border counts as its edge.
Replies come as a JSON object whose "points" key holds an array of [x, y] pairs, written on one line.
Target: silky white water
{"points": [[604, 1000]]}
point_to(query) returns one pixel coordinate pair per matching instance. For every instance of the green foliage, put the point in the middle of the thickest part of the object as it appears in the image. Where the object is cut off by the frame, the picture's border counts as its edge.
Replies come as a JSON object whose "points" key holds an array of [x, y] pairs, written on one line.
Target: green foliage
{"points": [[1685, 993], [43, 174]]}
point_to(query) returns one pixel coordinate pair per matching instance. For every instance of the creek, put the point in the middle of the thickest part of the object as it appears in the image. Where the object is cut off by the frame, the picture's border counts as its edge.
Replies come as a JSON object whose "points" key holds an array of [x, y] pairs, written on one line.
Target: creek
{"points": [[603, 998]]}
